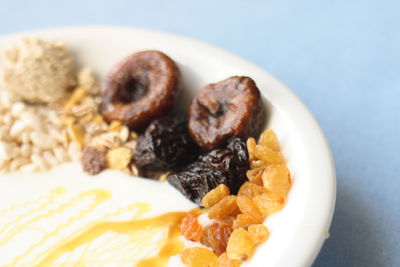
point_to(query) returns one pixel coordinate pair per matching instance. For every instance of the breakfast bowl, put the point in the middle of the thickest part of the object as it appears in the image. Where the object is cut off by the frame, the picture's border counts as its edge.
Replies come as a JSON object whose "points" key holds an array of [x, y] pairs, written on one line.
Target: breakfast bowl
{"points": [[297, 232]]}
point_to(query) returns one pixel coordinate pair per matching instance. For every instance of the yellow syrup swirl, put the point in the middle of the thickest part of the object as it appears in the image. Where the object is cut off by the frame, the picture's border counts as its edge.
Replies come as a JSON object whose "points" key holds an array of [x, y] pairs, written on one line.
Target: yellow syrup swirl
{"points": [[144, 242], [56, 192], [95, 196], [171, 246], [41, 202]]}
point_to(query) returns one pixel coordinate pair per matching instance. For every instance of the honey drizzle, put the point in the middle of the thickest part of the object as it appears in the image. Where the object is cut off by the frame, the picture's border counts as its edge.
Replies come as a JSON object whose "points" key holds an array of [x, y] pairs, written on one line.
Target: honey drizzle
{"points": [[46, 198], [98, 196], [172, 246], [127, 241], [43, 202]]}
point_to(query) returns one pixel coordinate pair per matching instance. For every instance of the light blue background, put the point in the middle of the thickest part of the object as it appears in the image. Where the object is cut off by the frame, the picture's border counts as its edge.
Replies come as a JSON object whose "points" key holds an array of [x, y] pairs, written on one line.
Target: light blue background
{"points": [[340, 57]]}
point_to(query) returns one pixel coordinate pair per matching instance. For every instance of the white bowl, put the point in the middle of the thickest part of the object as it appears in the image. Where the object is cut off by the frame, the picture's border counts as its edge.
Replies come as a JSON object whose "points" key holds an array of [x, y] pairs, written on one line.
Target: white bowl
{"points": [[297, 232]]}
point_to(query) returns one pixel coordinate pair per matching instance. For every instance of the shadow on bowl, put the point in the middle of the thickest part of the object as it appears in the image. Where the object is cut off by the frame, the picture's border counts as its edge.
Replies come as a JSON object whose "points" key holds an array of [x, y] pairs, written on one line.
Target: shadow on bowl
{"points": [[354, 239]]}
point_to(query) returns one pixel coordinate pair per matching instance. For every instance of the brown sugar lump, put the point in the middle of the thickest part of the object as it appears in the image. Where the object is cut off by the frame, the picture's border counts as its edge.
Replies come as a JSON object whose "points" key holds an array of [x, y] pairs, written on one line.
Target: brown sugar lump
{"points": [[39, 71]]}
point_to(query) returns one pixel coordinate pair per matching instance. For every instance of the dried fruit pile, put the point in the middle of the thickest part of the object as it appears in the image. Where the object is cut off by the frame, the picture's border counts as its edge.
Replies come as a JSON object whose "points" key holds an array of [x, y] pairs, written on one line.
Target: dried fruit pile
{"points": [[219, 166], [238, 219], [239, 183]]}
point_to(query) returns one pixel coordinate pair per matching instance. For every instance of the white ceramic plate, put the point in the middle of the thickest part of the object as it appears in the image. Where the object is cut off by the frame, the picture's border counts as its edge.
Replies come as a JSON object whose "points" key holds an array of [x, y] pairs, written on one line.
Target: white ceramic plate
{"points": [[297, 232]]}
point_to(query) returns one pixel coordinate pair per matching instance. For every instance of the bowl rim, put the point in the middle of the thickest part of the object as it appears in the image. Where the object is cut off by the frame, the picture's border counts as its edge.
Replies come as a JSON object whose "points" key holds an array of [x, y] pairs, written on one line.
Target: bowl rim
{"points": [[289, 105]]}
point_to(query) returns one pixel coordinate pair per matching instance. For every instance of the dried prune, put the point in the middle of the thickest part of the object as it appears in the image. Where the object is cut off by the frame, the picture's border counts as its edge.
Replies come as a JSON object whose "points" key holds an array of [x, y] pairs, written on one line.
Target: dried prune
{"points": [[220, 166], [238, 146], [165, 145], [93, 160], [196, 180], [140, 88], [220, 110]]}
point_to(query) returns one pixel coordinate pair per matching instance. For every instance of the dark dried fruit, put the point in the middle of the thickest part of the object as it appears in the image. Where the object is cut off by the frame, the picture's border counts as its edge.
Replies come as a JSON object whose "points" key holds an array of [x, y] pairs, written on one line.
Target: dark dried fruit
{"points": [[165, 145], [223, 109], [140, 88], [93, 160], [216, 236], [196, 180], [220, 166]]}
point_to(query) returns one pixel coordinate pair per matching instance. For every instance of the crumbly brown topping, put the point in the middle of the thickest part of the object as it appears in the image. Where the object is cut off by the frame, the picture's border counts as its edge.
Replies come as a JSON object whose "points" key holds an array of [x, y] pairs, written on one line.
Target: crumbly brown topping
{"points": [[39, 71]]}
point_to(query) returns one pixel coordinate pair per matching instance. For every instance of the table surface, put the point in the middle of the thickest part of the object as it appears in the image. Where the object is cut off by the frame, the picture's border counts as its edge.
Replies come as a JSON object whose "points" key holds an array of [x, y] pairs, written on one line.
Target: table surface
{"points": [[342, 58]]}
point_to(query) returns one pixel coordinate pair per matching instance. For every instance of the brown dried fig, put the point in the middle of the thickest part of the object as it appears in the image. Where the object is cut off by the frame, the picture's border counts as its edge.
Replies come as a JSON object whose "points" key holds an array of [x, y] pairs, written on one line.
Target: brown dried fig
{"points": [[140, 88], [220, 110]]}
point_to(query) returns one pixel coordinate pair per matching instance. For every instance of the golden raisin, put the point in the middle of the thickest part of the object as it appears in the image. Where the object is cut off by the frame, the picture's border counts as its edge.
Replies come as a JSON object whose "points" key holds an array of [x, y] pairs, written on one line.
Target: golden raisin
{"points": [[215, 195], [269, 202], [269, 139], [198, 257], [216, 236], [251, 190], [225, 261], [247, 206], [225, 207], [258, 232], [268, 156], [243, 220], [255, 175], [240, 245], [229, 220], [276, 178], [257, 164], [190, 228], [251, 145]]}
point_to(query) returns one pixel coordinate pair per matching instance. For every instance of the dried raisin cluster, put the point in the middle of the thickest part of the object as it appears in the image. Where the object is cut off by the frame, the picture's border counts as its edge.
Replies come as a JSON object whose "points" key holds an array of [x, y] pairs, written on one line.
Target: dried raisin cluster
{"points": [[165, 145], [237, 227], [220, 166]]}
